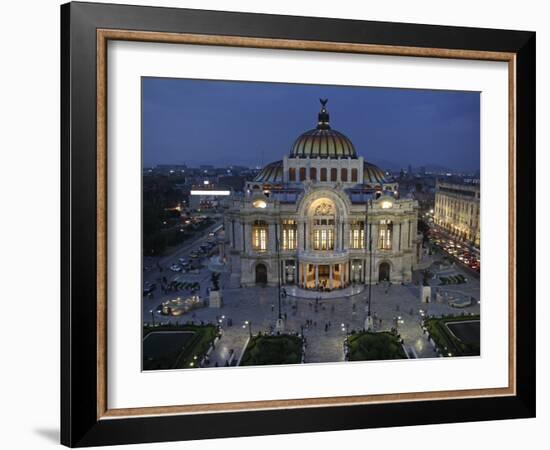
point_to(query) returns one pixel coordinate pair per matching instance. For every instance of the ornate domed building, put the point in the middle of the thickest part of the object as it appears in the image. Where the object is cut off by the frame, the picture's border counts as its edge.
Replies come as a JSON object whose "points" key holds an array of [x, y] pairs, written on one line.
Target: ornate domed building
{"points": [[322, 218]]}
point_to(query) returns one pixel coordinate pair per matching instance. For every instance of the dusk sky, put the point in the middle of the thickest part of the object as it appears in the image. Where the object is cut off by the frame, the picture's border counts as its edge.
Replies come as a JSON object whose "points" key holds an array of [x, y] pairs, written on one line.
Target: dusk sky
{"points": [[246, 123]]}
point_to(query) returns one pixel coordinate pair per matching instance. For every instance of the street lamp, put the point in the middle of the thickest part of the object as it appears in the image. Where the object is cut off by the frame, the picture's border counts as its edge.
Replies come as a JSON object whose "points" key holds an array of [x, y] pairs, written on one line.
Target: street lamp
{"points": [[153, 316], [369, 322], [249, 323], [398, 320], [280, 324]]}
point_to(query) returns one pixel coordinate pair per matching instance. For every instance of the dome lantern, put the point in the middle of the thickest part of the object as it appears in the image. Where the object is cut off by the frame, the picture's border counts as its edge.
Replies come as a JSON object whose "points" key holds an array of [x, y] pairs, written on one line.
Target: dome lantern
{"points": [[323, 117]]}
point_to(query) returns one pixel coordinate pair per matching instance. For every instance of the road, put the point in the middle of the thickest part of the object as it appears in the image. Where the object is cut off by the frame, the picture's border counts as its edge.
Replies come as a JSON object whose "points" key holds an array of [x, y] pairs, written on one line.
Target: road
{"points": [[181, 251], [445, 239]]}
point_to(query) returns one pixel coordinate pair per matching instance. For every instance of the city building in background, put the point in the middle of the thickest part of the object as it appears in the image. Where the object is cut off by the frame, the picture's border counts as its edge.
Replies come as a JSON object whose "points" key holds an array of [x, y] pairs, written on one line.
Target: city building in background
{"points": [[208, 196], [322, 218], [457, 210]]}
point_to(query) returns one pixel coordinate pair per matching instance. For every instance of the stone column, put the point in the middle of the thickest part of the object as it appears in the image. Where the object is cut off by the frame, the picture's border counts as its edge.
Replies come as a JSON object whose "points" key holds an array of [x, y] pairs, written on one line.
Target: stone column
{"points": [[374, 231], [404, 234], [342, 274], [330, 277], [272, 238], [407, 234], [247, 236], [345, 237], [342, 231], [301, 234], [395, 237], [316, 276], [400, 236]]}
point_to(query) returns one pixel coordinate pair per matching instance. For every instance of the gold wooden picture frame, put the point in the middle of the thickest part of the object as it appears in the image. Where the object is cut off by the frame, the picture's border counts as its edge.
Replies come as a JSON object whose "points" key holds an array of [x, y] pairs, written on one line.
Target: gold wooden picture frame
{"points": [[87, 122]]}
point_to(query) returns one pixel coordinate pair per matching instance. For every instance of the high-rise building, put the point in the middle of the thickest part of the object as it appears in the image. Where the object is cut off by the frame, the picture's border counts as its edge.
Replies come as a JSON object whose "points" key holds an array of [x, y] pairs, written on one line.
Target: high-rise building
{"points": [[457, 210]]}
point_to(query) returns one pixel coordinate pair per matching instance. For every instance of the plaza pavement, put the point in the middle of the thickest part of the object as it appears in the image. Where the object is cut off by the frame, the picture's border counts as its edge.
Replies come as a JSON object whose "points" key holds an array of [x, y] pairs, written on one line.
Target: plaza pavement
{"points": [[325, 323]]}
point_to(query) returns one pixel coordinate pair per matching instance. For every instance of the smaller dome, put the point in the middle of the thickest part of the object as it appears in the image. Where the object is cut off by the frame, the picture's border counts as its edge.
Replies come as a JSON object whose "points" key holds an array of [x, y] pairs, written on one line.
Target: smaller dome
{"points": [[272, 173], [373, 174]]}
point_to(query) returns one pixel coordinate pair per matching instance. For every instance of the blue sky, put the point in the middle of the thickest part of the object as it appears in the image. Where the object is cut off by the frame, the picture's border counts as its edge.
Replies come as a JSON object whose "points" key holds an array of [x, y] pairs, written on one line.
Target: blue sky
{"points": [[247, 123]]}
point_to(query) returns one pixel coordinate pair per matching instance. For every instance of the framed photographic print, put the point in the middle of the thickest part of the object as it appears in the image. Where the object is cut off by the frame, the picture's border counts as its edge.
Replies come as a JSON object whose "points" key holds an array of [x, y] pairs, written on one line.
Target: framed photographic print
{"points": [[277, 224]]}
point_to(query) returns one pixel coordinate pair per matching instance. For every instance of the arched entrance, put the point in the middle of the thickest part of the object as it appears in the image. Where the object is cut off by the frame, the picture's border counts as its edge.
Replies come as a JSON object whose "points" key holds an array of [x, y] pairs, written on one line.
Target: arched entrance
{"points": [[384, 272], [261, 274]]}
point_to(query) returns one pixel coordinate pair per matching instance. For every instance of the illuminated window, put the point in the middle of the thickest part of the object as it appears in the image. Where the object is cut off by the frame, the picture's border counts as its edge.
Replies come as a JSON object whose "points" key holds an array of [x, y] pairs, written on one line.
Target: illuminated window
{"points": [[313, 174], [322, 225], [259, 236], [385, 234], [290, 235], [354, 175], [323, 239], [333, 174], [292, 174], [357, 235], [344, 175], [323, 174], [323, 234]]}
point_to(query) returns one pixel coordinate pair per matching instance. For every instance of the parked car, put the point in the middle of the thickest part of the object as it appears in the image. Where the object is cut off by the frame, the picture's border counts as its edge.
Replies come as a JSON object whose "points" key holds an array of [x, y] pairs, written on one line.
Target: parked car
{"points": [[175, 268], [182, 260]]}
